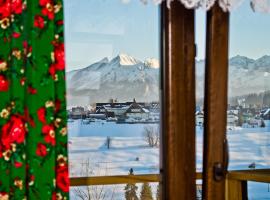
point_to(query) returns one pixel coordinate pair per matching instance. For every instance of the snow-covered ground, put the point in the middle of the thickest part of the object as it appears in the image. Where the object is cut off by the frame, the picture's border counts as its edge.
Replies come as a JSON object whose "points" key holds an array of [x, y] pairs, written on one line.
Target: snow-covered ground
{"points": [[128, 149], [124, 153]]}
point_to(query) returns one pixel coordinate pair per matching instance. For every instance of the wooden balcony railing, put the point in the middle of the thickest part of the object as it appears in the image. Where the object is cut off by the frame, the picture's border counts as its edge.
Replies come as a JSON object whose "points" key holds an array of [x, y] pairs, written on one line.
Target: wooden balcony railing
{"points": [[113, 180], [236, 181]]}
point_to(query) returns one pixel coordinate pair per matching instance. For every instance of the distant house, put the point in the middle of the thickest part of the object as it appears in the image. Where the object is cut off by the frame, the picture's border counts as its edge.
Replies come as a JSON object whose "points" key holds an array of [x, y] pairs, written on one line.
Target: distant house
{"points": [[266, 114], [154, 107], [100, 110], [136, 111], [118, 110], [232, 118], [78, 113], [266, 117], [199, 118]]}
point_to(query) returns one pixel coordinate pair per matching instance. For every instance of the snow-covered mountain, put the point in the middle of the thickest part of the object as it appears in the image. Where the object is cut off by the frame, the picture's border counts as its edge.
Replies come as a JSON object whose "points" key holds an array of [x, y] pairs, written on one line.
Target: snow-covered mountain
{"points": [[249, 76], [125, 77], [245, 75]]}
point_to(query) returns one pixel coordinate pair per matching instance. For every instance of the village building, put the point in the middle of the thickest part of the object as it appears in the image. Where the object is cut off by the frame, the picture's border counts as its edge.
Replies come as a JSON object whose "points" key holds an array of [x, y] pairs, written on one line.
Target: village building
{"points": [[232, 118], [136, 111], [78, 113], [199, 118], [266, 117]]}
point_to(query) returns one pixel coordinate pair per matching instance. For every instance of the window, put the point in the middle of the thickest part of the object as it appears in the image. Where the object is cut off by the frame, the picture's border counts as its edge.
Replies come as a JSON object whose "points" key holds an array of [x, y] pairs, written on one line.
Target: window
{"points": [[114, 101], [200, 23], [113, 80], [249, 85]]}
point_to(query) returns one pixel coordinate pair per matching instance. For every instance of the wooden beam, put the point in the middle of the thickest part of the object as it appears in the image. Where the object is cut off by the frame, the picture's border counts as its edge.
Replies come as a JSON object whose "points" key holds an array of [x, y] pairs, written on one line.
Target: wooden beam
{"points": [[112, 180], [123, 179], [215, 108], [262, 176], [178, 112]]}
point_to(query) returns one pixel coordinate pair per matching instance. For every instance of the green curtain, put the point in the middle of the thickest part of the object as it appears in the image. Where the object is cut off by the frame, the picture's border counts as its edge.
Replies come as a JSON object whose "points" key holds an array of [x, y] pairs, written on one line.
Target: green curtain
{"points": [[33, 137]]}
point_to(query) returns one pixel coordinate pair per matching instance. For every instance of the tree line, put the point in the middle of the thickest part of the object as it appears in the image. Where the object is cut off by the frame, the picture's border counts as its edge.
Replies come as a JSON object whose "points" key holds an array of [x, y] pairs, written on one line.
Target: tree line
{"points": [[260, 99]]}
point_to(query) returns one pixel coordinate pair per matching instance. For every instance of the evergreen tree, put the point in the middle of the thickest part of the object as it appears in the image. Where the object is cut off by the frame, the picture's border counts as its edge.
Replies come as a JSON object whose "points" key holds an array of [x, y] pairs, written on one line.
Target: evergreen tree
{"points": [[131, 189], [146, 193]]}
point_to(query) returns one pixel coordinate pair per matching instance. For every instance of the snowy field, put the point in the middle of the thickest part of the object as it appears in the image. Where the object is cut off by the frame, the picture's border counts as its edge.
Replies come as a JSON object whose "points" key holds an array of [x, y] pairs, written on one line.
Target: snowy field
{"points": [[89, 155]]}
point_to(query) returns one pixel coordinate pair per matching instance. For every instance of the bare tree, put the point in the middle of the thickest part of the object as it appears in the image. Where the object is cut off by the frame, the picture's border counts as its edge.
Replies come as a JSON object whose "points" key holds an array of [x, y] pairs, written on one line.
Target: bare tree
{"points": [[92, 192], [151, 135]]}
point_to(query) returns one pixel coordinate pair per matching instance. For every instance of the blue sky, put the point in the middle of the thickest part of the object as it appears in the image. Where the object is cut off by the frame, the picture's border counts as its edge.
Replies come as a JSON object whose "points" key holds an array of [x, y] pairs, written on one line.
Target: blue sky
{"points": [[104, 28]]}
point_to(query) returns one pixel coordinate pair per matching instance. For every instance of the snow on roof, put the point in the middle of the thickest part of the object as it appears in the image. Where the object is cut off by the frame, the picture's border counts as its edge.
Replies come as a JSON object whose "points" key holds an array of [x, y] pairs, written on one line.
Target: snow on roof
{"points": [[145, 110], [267, 112]]}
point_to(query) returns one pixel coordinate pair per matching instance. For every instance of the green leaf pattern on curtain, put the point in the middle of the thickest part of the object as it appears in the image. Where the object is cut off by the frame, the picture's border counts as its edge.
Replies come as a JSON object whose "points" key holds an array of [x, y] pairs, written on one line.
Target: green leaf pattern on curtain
{"points": [[33, 133]]}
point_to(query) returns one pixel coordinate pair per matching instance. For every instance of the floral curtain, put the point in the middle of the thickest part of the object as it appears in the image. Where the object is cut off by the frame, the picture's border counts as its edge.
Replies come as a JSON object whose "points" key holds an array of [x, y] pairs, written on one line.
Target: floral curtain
{"points": [[33, 133]]}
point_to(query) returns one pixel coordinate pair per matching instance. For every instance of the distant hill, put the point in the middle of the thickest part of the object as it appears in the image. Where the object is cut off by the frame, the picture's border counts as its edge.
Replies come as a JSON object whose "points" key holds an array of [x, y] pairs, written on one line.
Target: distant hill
{"points": [[125, 77], [246, 75]]}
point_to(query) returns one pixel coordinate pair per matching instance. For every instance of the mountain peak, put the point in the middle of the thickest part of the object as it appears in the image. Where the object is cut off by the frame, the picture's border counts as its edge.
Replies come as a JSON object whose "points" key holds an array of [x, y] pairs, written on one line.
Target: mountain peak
{"points": [[125, 59], [152, 63], [263, 61], [241, 61]]}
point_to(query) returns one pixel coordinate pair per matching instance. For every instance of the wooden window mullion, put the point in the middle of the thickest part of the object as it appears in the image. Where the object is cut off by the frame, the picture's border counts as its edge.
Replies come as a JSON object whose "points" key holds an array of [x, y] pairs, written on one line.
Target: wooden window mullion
{"points": [[178, 103], [216, 81]]}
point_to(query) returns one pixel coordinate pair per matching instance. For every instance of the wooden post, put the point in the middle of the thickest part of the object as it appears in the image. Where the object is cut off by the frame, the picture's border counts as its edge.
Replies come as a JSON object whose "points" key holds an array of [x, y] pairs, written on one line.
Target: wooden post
{"points": [[216, 79], [236, 190], [178, 54]]}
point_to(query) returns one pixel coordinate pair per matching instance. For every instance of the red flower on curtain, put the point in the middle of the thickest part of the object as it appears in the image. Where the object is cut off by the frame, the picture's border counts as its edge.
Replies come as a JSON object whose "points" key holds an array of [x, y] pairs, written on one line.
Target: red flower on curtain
{"points": [[59, 56], [4, 84], [8, 7], [16, 35], [32, 90], [52, 70], [17, 6], [41, 150], [42, 115], [57, 105], [5, 10], [39, 22], [58, 59], [48, 131], [47, 8], [17, 164], [13, 131], [62, 179]]}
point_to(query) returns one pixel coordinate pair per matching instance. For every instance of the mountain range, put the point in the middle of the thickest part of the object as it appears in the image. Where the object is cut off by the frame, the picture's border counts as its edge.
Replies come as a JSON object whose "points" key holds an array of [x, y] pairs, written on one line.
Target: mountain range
{"points": [[125, 77]]}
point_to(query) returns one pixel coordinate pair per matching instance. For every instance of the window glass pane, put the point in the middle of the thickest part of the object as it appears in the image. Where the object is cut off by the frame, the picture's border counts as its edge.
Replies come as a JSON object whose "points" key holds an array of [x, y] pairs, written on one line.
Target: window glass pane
{"points": [[249, 89], [258, 191], [113, 72], [200, 27], [104, 192], [248, 115]]}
